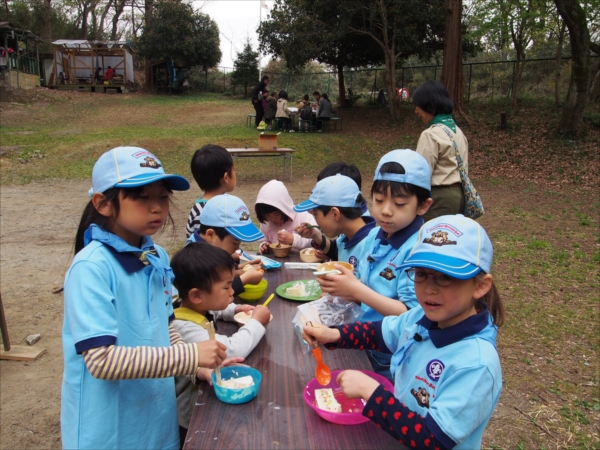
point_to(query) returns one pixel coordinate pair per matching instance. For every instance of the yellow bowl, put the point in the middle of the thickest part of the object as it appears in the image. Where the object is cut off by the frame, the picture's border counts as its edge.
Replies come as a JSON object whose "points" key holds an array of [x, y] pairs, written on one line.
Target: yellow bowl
{"points": [[253, 292]]}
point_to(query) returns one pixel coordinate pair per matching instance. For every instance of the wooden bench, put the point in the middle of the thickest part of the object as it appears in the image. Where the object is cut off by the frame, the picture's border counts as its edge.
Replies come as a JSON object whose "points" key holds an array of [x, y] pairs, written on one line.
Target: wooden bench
{"points": [[287, 154]]}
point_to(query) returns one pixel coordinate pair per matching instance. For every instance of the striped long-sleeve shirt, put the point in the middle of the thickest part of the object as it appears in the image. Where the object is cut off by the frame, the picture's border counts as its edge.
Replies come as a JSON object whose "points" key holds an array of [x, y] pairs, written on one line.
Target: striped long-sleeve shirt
{"points": [[112, 362]]}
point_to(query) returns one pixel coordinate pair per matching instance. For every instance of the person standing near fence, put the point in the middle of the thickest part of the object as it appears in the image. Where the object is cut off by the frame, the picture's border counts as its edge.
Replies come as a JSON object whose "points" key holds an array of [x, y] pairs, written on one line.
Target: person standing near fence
{"points": [[257, 99], [434, 106]]}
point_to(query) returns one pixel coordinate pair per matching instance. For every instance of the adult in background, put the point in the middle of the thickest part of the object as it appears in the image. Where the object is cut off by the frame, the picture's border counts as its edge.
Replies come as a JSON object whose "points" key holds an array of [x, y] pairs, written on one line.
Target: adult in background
{"points": [[325, 113], [434, 107], [257, 99], [109, 74]]}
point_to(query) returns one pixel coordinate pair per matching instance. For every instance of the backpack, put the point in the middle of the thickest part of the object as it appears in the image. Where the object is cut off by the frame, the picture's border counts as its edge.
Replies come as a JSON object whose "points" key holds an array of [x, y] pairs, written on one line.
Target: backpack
{"points": [[306, 113]]}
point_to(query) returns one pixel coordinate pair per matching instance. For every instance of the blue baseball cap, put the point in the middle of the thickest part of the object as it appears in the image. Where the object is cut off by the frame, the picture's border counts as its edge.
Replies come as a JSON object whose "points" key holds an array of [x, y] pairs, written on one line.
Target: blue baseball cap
{"points": [[454, 245], [338, 190], [416, 168], [230, 212], [128, 167]]}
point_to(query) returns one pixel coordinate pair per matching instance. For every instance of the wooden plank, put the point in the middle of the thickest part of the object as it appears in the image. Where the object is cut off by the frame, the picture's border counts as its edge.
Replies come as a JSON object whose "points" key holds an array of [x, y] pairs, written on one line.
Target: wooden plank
{"points": [[4, 327], [22, 353]]}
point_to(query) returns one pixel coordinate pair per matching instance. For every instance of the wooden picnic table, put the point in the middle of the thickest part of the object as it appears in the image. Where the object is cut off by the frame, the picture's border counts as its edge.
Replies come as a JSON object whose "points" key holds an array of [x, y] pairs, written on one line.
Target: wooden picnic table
{"points": [[278, 418], [287, 154]]}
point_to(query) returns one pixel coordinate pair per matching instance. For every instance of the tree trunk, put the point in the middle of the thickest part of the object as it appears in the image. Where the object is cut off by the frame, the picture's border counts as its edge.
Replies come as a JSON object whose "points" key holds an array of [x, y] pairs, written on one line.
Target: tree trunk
{"points": [[452, 67], [571, 121], [148, 19], [595, 87], [341, 86], [518, 72], [119, 7], [48, 28], [561, 40]]}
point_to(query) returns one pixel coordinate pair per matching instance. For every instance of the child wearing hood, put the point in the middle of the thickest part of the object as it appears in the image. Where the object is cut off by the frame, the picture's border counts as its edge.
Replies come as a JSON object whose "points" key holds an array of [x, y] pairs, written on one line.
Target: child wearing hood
{"points": [[275, 211]]}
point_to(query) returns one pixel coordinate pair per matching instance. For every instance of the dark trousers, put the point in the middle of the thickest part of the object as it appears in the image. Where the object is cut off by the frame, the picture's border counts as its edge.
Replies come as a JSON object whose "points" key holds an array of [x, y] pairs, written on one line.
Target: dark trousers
{"points": [[260, 112], [285, 122], [182, 434], [320, 121], [446, 200]]}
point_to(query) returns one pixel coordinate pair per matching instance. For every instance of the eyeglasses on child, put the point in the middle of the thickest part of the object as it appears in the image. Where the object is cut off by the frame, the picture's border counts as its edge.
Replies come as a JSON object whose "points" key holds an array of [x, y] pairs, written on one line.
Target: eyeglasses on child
{"points": [[420, 276]]}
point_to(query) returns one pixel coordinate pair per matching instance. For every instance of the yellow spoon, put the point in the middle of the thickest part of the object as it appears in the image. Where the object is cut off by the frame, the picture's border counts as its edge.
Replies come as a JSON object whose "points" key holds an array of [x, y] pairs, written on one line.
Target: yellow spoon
{"points": [[268, 300]]}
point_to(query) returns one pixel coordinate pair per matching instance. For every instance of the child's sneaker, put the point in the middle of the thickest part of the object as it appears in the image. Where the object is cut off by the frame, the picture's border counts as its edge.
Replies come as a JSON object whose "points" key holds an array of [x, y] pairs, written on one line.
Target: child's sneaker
{"points": [[292, 131]]}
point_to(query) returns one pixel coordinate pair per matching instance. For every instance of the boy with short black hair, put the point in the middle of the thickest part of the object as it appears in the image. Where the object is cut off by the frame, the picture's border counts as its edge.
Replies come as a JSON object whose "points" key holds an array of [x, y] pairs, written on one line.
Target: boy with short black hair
{"points": [[203, 277], [226, 223], [349, 170], [212, 168], [336, 203]]}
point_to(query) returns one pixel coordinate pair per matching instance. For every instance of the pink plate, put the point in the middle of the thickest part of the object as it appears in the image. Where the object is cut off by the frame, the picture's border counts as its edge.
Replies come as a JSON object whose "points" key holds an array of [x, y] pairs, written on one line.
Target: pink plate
{"points": [[351, 407]]}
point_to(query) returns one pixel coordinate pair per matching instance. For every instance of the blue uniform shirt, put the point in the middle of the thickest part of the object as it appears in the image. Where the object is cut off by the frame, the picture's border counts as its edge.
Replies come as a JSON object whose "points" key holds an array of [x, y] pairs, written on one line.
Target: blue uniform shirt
{"points": [[113, 298], [352, 250], [450, 376], [377, 268]]}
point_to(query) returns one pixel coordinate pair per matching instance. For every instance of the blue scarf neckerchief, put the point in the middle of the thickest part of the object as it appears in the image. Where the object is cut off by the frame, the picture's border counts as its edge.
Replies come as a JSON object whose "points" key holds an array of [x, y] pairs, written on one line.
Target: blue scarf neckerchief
{"points": [[147, 254]]}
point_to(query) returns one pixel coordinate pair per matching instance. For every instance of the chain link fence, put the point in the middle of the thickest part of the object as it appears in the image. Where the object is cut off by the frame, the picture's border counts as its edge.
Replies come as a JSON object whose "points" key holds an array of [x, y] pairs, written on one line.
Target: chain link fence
{"points": [[484, 81]]}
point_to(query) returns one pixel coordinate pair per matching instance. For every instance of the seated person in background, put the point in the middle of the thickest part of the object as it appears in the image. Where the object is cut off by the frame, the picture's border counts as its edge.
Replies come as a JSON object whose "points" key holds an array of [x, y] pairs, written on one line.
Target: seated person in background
{"points": [[336, 203], [283, 113], [203, 277], [110, 74], [226, 223], [325, 112], [317, 97], [270, 109]]}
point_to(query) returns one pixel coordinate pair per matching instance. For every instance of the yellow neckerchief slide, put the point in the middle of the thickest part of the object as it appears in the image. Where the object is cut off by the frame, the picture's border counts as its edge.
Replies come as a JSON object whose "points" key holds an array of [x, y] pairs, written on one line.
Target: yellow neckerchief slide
{"points": [[190, 315]]}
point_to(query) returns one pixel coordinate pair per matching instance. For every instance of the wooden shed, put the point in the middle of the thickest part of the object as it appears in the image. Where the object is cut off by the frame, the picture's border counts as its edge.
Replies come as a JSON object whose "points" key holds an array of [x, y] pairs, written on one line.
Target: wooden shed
{"points": [[19, 58], [76, 63]]}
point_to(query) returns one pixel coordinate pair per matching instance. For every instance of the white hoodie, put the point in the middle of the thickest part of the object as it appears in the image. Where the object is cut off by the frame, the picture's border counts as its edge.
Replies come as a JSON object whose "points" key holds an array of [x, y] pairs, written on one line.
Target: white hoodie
{"points": [[275, 193]]}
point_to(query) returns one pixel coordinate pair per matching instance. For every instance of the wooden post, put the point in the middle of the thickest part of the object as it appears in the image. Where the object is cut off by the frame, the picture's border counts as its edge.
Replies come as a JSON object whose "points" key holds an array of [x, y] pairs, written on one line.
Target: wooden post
{"points": [[503, 121], [5, 338]]}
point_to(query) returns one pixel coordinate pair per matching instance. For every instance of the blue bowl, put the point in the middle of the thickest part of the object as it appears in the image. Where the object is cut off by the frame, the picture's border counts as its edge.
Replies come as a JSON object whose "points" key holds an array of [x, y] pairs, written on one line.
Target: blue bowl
{"points": [[237, 396]]}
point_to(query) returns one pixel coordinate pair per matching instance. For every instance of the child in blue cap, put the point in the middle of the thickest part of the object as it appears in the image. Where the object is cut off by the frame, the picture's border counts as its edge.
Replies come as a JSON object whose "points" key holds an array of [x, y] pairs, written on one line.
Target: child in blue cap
{"points": [[336, 203], [226, 223], [118, 312], [447, 376], [401, 195]]}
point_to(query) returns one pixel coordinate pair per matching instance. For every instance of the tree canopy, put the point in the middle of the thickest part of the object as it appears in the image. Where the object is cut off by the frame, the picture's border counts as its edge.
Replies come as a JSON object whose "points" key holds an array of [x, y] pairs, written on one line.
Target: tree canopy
{"points": [[179, 33]]}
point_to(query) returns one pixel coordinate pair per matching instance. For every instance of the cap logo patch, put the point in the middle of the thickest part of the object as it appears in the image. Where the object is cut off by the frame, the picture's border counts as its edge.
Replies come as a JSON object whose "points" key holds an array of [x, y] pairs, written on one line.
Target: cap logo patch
{"points": [[387, 273], [447, 227], [438, 239], [245, 216], [141, 153], [150, 162], [435, 368]]}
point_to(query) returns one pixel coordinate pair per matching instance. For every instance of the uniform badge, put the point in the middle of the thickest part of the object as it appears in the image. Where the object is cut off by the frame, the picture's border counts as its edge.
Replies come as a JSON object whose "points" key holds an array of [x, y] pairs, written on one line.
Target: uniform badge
{"points": [[422, 397], [352, 260], [387, 273], [435, 368]]}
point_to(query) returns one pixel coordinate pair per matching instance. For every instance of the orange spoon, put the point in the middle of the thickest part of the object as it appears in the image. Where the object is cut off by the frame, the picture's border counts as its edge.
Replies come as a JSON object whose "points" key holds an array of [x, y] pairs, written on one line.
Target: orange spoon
{"points": [[323, 373]]}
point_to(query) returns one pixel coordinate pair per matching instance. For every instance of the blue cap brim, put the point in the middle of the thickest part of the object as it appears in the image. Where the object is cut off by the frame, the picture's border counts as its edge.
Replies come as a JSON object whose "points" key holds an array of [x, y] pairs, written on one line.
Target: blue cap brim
{"points": [[454, 267], [174, 182], [247, 233], [305, 206]]}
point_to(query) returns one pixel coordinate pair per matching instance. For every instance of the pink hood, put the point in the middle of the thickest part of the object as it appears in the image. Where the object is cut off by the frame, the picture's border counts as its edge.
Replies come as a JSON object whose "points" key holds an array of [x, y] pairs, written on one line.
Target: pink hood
{"points": [[275, 193]]}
